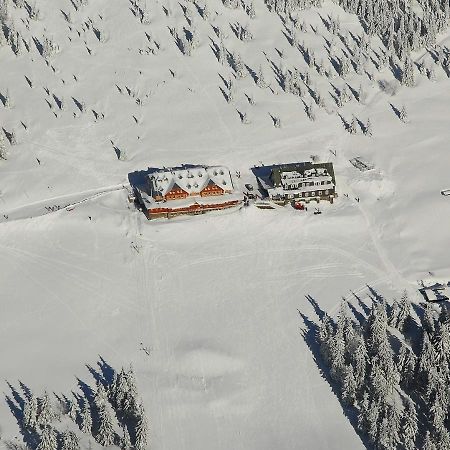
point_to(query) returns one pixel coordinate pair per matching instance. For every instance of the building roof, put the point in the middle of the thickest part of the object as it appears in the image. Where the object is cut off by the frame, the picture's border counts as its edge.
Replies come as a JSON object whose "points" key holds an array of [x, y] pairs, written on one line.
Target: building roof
{"points": [[192, 180], [280, 175]]}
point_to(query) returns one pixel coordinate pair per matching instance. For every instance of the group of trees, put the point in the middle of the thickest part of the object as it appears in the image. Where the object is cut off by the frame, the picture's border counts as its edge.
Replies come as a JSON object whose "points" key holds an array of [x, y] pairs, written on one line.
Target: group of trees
{"points": [[399, 386], [112, 403]]}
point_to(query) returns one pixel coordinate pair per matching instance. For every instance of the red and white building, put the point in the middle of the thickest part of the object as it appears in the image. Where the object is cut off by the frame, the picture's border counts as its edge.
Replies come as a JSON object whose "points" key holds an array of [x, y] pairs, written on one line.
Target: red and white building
{"points": [[188, 190]]}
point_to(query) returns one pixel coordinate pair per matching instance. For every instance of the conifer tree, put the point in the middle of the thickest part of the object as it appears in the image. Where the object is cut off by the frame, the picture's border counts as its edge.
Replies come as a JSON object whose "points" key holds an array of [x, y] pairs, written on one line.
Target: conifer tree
{"points": [[407, 78], [363, 413], [403, 114], [349, 386], [48, 439], [260, 81], [30, 412], [324, 335], [404, 315], [353, 127], [441, 343], [105, 433], [428, 319], [372, 420], [141, 430], [359, 359], [409, 428], [69, 441], [368, 128], [427, 359], [86, 419], [45, 413], [428, 443]]}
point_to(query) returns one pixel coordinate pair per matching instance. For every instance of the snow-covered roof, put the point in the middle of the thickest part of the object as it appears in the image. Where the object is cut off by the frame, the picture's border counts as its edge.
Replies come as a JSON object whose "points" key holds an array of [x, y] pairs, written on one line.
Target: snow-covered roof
{"points": [[191, 180]]}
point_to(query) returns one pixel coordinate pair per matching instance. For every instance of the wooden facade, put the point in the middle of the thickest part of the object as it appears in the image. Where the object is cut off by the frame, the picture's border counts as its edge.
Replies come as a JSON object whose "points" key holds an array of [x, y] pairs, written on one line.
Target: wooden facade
{"points": [[168, 212]]}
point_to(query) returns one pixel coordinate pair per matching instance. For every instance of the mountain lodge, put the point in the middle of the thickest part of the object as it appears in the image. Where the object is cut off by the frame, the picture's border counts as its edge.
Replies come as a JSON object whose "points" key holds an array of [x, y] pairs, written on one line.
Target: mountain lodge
{"points": [[187, 190]]}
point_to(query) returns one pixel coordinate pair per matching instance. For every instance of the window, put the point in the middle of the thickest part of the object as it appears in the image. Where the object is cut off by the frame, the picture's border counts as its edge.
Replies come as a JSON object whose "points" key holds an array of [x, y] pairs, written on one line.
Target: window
{"points": [[326, 191], [313, 194], [319, 193]]}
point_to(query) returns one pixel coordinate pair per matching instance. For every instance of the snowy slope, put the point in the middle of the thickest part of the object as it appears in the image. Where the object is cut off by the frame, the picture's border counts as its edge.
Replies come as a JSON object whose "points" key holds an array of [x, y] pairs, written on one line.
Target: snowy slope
{"points": [[216, 297]]}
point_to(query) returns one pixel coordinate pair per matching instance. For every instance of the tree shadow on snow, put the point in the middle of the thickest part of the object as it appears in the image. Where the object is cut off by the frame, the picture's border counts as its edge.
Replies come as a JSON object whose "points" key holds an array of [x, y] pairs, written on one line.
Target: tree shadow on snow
{"points": [[16, 404]]}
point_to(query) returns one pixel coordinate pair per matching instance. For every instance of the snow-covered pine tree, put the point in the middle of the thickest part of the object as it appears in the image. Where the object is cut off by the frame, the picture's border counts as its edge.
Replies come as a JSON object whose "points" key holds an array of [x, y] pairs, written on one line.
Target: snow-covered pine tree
{"points": [[105, 433], [394, 416], [3, 152], [407, 78], [403, 114], [409, 427], [245, 34], [141, 429], [4, 11], [45, 414], [384, 436], [260, 80], [363, 412], [353, 127], [372, 420], [238, 66], [393, 314], [69, 441], [222, 53], [344, 66], [404, 314], [130, 401], [428, 319], [86, 418], [428, 443], [72, 410], [100, 396], [368, 128], [441, 341], [337, 355], [359, 359], [31, 407], [324, 334], [310, 112], [442, 439], [349, 386], [427, 359], [48, 439], [120, 389]]}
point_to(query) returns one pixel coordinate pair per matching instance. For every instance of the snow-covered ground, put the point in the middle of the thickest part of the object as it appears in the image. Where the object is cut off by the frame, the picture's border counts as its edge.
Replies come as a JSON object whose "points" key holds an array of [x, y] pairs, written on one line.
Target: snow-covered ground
{"points": [[216, 297]]}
